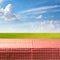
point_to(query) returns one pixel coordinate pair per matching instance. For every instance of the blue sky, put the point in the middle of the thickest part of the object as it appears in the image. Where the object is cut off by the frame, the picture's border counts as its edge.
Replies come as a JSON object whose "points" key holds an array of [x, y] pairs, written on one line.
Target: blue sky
{"points": [[29, 15]]}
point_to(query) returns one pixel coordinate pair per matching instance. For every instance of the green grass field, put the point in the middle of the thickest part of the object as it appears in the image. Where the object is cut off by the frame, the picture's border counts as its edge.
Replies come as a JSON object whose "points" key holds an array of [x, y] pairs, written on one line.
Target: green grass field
{"points": [[29, 35]]}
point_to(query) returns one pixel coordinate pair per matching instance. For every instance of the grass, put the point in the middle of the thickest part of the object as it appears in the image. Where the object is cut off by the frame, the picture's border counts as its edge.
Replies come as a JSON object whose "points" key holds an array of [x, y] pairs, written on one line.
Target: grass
{"points": [[29, 35]]}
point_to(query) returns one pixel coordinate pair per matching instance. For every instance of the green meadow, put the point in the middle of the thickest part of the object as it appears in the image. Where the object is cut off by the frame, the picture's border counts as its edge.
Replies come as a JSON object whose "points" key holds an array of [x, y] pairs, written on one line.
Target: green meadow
{"points": [[29, 35]]}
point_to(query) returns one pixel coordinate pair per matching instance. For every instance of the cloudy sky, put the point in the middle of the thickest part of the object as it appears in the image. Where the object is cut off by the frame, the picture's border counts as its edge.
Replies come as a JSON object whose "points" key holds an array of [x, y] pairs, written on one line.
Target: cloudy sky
{"points": [[29, 15]]}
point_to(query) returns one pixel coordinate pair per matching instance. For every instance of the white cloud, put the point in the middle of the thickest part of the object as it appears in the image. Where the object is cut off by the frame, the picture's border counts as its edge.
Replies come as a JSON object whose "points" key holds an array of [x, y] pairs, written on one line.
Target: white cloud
{"points": [[36, 11], [40, 8], [48, 25], [38, 17], [7, 14], [8, 8], [42, 26]]}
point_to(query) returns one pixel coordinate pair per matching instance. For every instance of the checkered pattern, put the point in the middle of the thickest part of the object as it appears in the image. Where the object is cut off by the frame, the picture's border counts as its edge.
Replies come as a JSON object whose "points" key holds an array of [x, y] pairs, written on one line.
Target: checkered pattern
{"points": [[46, 54], [30, 54]]}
